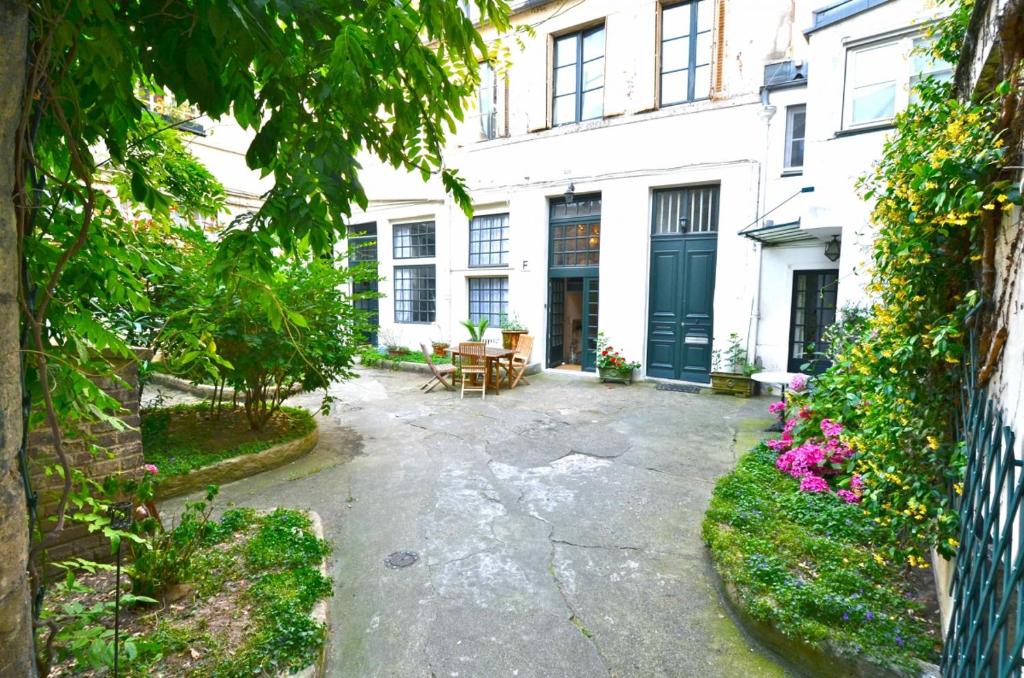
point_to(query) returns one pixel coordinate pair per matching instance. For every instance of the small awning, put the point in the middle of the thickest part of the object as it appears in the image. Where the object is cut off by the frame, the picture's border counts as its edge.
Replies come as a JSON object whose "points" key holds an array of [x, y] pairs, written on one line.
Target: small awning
{"points": [[780, 234]]}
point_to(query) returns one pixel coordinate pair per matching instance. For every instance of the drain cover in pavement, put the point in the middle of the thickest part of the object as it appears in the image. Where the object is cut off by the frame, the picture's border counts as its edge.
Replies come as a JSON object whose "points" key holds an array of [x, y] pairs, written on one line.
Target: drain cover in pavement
{"points": [[400, 559], [682, 388]]}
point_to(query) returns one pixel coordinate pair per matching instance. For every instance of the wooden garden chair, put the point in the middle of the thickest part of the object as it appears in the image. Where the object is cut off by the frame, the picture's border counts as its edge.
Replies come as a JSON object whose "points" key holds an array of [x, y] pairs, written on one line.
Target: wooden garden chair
{"points": [[520, 361], [473, 363], [442, 373]]}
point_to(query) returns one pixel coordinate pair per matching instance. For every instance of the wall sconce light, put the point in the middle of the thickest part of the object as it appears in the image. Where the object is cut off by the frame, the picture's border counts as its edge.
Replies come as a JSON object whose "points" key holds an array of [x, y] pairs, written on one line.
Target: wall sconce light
{"points": [[833, 248], [570, 194], [683, 223]]}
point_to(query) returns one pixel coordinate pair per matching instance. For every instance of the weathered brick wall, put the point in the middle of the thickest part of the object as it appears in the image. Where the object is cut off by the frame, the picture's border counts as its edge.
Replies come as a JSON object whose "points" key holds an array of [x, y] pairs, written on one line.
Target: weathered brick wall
{"points": [[121, 452]]}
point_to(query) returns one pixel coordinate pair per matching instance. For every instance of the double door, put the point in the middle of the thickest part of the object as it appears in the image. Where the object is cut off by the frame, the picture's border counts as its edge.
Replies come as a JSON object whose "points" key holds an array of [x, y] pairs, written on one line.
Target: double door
{"points": [[681, 317]]}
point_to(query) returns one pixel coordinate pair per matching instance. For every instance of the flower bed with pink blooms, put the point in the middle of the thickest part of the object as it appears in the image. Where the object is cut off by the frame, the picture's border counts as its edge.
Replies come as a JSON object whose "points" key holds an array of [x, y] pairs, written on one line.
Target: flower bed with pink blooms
{"points": [[800, 556]]}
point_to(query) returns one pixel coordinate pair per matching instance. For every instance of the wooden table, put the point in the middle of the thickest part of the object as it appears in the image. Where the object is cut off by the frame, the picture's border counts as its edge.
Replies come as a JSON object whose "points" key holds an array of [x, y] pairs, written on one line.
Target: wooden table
{"points": [[495, 354]]}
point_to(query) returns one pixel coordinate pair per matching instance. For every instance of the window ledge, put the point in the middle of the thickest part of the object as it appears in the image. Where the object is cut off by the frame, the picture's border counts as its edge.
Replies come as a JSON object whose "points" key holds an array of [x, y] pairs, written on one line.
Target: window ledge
{"points": [[792, 172], [853, 131]]}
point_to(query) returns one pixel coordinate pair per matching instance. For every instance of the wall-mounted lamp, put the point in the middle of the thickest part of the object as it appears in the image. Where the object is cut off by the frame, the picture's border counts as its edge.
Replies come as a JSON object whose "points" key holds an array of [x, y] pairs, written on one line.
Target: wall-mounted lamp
{"points": [[683, 223], [570, 194], [833, 248]]}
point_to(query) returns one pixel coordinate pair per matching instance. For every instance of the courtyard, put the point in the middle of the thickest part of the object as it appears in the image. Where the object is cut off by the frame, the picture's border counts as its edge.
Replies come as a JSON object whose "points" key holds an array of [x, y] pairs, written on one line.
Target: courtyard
{"points": [[556, 528]]}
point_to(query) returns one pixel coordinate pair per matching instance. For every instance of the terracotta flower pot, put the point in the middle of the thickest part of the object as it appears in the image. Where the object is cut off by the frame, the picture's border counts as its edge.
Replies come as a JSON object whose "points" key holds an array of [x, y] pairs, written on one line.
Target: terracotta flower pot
{"points": [[510, 338]]}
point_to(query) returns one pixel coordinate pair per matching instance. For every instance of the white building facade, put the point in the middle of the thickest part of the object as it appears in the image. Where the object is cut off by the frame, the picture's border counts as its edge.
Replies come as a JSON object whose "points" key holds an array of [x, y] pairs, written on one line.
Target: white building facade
{"points": [[645, 169]]}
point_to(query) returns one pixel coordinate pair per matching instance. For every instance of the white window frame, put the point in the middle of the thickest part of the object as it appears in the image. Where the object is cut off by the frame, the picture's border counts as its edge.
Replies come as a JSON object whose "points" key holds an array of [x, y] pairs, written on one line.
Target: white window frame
{"points": [[490, 95], [903, 75], [792, 112]]}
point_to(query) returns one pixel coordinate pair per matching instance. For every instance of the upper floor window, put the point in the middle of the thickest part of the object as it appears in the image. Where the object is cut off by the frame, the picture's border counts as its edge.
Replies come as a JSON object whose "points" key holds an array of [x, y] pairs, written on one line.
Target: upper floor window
{"points": [[488, 101], [414, 241], [686, 50], [578, 76], [880, 78], [488, 240], [796, 124]]}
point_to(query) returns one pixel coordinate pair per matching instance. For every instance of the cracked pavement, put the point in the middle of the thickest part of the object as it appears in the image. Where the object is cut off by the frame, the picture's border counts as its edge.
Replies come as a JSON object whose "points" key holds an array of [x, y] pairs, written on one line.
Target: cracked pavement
{"points": [[558, 529]]}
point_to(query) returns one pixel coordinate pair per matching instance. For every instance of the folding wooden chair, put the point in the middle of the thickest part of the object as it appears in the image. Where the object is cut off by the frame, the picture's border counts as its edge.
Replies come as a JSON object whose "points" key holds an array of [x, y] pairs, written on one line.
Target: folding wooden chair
{"points": [[441, 372], [521, 360], [473, 362]]}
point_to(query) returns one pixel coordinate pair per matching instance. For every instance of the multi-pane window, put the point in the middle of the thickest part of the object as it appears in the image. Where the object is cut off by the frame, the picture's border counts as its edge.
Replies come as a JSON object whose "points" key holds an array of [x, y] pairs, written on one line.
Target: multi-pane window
{"points": [[488, 102], [678, 211], [796, 124], [413, 241], [488, 240], [415, 294], [686, 50], [814, 311], [488, 298], [880, 78], [575, 244], [578, 76]]}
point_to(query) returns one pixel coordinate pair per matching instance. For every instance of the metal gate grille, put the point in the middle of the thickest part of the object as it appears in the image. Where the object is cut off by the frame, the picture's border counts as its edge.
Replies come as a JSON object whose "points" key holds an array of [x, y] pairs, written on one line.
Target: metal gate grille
{"points": [[986, 629]]}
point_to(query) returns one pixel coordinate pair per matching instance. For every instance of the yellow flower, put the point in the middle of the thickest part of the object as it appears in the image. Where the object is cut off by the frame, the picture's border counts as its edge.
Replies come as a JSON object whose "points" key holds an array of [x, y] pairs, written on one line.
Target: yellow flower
{"points": [[879, 559], [953, 542], [988, 206], [958, 488], [933, 442]]}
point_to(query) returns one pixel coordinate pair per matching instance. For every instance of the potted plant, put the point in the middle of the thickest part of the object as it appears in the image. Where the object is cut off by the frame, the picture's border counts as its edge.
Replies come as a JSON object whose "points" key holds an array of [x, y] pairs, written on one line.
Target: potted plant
{"points": [[391, 342], [511, 328], [440, 347], [476, 329], [731, 370], [611, 365]]}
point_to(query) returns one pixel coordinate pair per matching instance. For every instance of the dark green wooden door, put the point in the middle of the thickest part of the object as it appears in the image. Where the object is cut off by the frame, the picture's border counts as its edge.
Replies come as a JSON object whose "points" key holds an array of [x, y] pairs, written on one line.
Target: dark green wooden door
{"points": [[556, 321], [590, 302], [684, 246]]}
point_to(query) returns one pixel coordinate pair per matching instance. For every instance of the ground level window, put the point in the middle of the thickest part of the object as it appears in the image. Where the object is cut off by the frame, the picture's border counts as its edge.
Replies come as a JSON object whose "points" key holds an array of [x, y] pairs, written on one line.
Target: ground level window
{"points": [[488, 298], [814, 311], [415, 294]]}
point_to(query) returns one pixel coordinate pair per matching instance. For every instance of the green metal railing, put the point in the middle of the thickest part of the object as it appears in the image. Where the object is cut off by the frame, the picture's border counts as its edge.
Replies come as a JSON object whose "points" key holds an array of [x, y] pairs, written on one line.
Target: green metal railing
{"points": [[985, 636]]}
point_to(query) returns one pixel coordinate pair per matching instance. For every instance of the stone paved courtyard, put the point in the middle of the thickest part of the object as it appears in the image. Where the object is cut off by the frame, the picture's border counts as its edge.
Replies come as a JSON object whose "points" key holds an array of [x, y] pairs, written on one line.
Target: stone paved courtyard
{"points": [[557, 528]]}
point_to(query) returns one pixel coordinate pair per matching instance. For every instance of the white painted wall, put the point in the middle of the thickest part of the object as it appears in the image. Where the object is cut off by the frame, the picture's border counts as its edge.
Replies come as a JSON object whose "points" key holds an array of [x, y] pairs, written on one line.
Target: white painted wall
{"points": [[637, 148]]}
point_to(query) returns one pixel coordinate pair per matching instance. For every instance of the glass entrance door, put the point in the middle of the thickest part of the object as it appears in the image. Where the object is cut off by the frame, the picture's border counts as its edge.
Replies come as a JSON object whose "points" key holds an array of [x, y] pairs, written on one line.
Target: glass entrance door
{"points": [[573, 289], [814, 310]]}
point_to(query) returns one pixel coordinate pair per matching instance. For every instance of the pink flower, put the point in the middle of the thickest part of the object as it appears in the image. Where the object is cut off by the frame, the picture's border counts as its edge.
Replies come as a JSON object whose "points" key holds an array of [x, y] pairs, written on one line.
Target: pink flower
{"points": [[830, 428], [777, 408], [798, 383], [778, 444], [848, 497], [787, 430], [856, 482], [150, 468], [813, 484]]}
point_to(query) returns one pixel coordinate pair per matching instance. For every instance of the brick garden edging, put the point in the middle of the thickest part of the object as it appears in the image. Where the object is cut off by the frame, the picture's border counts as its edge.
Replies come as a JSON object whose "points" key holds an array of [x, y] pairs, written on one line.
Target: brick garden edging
{"points": [[812, 659], [239, 467], [319, 614]]}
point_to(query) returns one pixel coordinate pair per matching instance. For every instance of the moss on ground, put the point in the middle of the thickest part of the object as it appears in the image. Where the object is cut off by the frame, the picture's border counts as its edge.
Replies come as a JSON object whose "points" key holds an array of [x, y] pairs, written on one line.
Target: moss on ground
{"points": [[183, 438], [804, 563]]}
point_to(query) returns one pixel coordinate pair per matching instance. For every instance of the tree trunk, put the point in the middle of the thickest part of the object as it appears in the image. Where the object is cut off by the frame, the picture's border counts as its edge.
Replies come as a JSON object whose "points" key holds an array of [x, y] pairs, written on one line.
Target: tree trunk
{"points": [[16, 647]]}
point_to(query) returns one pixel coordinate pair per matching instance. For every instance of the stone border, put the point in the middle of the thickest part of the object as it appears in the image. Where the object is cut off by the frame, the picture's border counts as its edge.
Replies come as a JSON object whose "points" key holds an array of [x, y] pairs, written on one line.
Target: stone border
{"points": [[199, 390], [318, 669], [813, 659], [239, 467]]}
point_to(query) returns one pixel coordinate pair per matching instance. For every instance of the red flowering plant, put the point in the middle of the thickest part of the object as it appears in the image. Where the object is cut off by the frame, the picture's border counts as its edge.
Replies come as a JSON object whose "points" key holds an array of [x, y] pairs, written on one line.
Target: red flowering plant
{"points": [[610, 359]]}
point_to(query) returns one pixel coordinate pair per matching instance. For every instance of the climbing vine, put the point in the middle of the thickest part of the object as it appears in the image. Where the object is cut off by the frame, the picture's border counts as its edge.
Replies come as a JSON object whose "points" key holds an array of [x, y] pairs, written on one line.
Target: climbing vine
{"points": [[938, 194]]}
